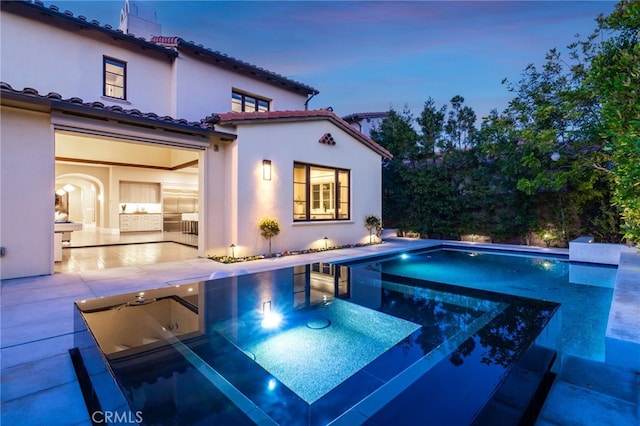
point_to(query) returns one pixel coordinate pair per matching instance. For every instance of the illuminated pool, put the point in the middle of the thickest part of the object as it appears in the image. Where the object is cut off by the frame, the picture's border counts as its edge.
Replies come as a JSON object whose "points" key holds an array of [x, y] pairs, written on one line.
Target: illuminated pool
{"points": [[583, 290], [351, 343]]}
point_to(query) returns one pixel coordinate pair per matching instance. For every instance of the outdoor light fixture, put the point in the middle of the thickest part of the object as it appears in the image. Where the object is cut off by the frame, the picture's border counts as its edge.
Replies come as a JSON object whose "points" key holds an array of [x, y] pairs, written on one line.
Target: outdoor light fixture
{"points": [[270, 319], [233, 250], [266, 169], [555, 156], [326, 239]]}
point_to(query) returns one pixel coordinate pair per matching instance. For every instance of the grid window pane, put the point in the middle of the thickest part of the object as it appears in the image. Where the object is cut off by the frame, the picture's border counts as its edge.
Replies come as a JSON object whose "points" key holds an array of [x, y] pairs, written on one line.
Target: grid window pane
{"points": [[236, 102], [245, 103], [114, 79], [326, 192]]}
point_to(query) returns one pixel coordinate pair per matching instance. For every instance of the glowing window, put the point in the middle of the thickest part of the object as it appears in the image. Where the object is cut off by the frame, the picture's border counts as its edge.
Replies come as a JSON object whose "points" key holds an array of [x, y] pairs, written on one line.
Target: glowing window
{"points": [[320, 193]]}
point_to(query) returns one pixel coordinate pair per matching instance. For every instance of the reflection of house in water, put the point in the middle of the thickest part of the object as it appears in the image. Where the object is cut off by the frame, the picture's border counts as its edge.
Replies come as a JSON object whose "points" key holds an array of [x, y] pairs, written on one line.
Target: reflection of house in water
{"points": [[203, 353], [161, 343]]}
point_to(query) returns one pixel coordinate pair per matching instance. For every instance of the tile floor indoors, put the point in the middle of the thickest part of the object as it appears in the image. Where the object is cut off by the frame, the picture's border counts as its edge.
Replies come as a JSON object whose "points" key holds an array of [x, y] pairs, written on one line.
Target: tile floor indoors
{"points": [[38, 383]]}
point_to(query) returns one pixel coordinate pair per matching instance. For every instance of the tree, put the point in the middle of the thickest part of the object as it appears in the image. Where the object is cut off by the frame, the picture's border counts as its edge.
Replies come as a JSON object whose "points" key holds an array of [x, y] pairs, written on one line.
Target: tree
{"points": [[460, 126], [556, 116], [396, 134], [269, 227], [431, 121], [615, 74], [372, 222]]}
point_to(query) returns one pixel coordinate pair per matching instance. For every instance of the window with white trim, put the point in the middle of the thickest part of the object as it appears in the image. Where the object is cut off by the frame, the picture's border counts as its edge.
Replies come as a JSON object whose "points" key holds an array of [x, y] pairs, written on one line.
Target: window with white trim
{"points": [[115, 78], [320, 193]]}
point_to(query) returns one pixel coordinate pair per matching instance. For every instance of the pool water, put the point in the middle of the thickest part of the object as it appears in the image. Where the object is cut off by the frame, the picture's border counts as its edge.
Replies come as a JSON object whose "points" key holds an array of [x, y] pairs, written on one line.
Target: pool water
{"points": [[339, 334], [353, 339], [583, 290]]}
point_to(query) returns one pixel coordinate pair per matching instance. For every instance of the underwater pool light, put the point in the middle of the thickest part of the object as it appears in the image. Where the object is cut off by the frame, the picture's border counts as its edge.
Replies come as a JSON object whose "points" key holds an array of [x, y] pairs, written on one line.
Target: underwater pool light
{"points": [[270, 319], [271, 385], [404, 256]]}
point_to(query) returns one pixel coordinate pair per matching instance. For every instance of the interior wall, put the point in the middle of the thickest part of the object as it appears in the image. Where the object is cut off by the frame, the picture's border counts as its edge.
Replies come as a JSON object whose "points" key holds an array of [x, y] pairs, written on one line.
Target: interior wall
{"points": [[111, 177]]}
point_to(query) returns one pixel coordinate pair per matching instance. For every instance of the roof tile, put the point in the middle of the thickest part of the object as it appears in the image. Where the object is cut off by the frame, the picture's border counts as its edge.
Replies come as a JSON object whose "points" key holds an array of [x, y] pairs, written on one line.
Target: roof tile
{"points": [[6, 88]]}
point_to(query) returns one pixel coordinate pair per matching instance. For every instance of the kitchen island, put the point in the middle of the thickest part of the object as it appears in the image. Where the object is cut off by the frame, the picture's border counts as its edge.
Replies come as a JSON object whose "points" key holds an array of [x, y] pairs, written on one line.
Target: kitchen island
{"points": [[62, 232]]}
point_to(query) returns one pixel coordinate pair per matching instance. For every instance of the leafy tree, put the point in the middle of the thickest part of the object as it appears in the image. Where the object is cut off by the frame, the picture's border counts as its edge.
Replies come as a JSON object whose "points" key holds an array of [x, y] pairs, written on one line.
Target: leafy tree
{"points": [[557, 119], [269, 228], [396, 133], [372, 222], [431, 121], [460, 126], [615, 74]]}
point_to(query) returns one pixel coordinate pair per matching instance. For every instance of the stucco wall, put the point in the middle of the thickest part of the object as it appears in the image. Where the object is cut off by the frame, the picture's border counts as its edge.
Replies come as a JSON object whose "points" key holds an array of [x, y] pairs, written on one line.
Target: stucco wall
{"points": [[203, 89], [26, 193], [283, 144], [50, 59], [217, 199]]}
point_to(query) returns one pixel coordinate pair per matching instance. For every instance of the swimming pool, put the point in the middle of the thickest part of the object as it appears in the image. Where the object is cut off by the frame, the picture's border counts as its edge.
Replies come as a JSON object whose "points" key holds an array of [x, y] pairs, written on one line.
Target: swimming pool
{"points": [[354, 343], [583, 290]]}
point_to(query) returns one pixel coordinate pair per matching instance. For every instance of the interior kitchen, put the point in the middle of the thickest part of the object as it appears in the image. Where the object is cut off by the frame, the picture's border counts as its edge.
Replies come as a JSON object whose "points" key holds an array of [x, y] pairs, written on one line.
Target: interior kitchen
{"points": [[120, 193]]}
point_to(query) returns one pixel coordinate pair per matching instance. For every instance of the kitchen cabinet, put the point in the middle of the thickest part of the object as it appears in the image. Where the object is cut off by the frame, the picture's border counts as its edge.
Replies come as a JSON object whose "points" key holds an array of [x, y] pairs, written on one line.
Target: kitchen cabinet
{"points": [[132, 222], [139, 192]]}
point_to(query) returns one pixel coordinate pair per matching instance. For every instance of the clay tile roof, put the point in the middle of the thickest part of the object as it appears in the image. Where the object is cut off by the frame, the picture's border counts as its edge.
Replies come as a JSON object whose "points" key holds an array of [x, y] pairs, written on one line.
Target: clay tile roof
{"points": [[224, 60], [37, 10], [171, 41], [238, 118], [54, 99]]}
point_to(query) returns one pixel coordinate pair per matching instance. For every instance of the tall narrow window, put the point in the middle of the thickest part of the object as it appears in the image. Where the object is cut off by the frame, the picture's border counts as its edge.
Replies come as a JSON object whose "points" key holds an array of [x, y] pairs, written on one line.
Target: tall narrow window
{"points": [[241, 102], [320, 193], [115, 78]]}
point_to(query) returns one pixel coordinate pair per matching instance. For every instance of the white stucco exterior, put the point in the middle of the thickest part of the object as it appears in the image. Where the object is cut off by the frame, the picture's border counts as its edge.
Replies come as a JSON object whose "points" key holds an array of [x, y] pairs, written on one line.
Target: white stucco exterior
{"points": [[51, 59], [202, 89], [257, 198], [168, 131], [26, 196]]}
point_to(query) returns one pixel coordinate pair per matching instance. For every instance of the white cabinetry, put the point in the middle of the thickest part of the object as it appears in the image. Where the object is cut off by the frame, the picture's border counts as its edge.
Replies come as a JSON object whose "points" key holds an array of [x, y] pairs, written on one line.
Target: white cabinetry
{"points": [[140, 222]]}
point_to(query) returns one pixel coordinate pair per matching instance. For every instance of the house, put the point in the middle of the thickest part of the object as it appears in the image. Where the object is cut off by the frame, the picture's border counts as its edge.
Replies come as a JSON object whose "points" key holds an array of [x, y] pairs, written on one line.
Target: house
{"points": [[364, 122], [115, 122]]}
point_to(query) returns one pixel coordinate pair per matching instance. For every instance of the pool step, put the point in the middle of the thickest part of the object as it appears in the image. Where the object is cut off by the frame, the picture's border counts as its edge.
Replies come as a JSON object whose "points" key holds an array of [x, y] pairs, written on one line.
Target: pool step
{"points": [[520, 397], [592, 393]]}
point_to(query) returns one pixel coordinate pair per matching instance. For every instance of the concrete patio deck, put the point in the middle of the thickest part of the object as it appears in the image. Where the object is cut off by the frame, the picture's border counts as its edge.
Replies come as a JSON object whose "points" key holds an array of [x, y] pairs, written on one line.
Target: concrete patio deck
{"points": [[39, 385]]}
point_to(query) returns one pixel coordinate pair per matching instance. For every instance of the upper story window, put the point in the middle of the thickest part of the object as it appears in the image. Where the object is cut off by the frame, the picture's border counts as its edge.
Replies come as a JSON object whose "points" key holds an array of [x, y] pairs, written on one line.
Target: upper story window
{"points": [[320, 193], [241, 102], [115, 78]]}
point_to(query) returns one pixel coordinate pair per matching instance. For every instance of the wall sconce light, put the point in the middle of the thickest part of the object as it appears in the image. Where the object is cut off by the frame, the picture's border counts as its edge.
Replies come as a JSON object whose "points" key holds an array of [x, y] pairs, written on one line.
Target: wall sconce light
{"points": [[233, 250], [266, 169]]}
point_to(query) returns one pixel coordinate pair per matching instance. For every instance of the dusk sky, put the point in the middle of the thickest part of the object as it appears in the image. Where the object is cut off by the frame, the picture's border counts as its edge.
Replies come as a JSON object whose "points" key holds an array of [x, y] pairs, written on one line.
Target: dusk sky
{"points": [[370, 56]]}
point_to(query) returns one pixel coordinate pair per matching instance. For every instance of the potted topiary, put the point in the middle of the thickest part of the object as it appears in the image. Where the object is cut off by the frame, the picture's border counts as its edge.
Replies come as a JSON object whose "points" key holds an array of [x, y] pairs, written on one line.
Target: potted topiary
{"points": [[269, 227], [372, 222]]}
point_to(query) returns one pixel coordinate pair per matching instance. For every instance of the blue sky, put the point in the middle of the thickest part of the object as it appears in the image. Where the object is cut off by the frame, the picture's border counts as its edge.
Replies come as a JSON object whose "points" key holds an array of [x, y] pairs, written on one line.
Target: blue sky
{"points": [[370, 56]]}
